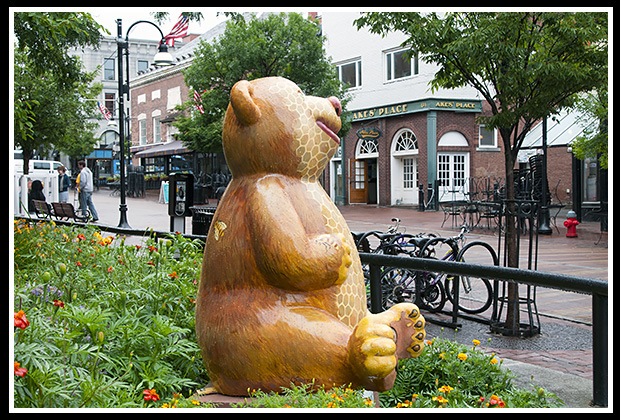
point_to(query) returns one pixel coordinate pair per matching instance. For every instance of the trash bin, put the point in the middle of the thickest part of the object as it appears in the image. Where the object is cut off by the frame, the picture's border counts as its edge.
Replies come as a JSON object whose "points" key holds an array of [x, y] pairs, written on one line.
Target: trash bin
{"points": [[201, 219]]}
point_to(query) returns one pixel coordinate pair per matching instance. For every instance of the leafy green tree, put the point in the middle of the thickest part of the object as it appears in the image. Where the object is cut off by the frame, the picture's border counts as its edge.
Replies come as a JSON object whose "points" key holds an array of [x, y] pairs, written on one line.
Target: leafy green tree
{"points": [[284, 45], [594, 141], [49, 84], [526, 65]]}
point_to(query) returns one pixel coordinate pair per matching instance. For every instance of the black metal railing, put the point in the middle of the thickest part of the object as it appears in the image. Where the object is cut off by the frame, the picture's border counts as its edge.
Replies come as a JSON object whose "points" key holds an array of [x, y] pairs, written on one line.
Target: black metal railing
{"points": [[597, 288]]}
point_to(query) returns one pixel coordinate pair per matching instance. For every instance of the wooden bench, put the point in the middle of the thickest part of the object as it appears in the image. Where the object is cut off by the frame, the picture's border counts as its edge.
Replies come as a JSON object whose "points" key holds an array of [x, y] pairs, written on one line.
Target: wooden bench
{"points": [[67, 211], [42, 209]]}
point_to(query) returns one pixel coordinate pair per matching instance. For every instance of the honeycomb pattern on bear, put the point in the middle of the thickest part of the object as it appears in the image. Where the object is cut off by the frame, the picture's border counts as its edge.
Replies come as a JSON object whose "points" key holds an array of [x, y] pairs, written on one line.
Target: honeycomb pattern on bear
{"points": [[351, 298], [309, 143], [314, 151]]}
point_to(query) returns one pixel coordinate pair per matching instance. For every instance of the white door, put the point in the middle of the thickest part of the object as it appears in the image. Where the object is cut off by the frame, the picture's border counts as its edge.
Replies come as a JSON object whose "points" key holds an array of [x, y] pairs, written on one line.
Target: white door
{"points": [[452, 175]]}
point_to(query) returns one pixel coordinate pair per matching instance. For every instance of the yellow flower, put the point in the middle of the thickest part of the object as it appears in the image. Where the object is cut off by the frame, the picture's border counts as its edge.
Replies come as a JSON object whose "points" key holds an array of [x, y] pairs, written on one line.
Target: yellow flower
{"points": [[493, 361], [368, 402], [462, 356], [442, 355], [446, 389], [440, 399], [476, 342]]}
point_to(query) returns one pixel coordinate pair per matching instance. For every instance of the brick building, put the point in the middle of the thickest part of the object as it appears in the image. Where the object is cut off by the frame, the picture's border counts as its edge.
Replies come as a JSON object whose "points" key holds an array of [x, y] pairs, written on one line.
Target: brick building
{"points": [[404, 135]]}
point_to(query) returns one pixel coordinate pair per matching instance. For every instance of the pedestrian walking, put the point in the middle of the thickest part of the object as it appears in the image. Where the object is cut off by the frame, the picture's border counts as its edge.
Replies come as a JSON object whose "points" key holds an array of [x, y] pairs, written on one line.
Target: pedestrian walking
{"points": [[63, 184], [86, 190]]}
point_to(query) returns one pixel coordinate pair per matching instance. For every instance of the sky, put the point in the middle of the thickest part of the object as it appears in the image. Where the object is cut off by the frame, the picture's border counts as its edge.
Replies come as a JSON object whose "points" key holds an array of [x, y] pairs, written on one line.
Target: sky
{"points": [[106, 16]]}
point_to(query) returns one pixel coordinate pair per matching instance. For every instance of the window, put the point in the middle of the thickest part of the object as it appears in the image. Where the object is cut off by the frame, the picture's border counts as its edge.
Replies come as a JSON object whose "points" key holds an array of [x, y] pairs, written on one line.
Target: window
{"points": [[107, 138], [143, 65], [108, 69], [486, 137], [110, 99], [406, 143], [351, 73], [400, 65], [156, 130], [142, 129], [367, 148], [409, 173]]}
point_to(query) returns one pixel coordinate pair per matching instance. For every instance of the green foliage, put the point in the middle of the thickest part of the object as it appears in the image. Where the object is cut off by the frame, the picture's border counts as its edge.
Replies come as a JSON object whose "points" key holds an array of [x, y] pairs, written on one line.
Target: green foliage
{"points": [[50, 85], [448, 374], [303, 397], [593, 108], [106, 320], [284, 45]]}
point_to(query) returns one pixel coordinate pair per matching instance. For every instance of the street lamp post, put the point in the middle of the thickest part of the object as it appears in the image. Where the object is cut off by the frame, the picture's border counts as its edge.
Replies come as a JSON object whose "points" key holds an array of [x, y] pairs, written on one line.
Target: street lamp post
{"points": [[162, 58]]}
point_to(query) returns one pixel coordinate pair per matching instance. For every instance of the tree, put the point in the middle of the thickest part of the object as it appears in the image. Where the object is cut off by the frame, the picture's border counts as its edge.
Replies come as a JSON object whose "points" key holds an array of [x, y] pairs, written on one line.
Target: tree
{"points": [[593, 106], [49, 84], [526, 65], [284, 45]]}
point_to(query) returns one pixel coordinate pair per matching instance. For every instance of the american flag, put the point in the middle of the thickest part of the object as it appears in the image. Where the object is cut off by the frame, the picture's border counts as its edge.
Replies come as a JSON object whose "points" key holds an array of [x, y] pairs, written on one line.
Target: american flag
{"points": [[198, 101], [104, 111], [179, 30]]}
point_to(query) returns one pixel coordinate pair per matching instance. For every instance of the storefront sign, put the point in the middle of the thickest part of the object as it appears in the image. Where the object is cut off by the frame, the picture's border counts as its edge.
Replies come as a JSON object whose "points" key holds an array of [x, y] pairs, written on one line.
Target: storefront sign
{"points": [[418, 106], [368, 133]]}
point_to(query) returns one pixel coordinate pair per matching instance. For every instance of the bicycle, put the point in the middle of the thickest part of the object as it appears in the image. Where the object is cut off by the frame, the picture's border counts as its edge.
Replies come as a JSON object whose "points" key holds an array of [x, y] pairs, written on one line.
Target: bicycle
{"points": [[475, 294], [391, 242], [431, 290]]}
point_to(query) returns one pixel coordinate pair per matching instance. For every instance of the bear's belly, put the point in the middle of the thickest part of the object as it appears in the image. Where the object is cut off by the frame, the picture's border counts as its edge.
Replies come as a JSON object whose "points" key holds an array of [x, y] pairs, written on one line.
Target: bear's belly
{"points": [[351, 298]]}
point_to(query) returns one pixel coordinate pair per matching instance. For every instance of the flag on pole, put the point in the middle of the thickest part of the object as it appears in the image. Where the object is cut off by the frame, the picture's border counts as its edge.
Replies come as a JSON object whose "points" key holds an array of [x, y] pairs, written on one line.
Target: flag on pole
{"points": [[104, 111], [179, 30], [198, 101]]}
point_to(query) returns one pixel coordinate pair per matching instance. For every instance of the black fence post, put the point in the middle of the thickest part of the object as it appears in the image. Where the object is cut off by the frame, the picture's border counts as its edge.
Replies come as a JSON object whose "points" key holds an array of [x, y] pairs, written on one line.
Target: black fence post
{"points": [[599, 350], [375, 289]]}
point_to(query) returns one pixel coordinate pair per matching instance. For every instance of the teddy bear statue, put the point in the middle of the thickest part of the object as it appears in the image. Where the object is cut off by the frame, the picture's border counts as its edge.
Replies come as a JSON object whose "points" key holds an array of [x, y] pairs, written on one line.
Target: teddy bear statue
{"points": [[281, 298]]}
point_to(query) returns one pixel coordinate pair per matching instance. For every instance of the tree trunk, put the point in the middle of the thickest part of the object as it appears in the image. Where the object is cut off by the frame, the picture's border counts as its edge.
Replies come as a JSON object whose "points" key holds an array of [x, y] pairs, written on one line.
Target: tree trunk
{"points": [[512, 310]]}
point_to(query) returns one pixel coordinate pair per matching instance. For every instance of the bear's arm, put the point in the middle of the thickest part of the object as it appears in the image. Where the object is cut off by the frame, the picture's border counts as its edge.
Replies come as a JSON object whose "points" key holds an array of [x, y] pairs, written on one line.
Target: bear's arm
{"points": [[287, 255]]}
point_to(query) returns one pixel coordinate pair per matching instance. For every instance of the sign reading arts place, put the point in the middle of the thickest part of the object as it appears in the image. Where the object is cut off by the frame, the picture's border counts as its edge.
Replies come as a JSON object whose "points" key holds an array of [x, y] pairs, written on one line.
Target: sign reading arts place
{"points": [[419, 106]]}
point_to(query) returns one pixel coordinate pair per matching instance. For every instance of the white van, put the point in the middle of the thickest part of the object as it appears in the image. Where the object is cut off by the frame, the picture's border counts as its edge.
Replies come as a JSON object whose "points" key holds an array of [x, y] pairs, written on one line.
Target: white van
{"points": [[38, 166]]}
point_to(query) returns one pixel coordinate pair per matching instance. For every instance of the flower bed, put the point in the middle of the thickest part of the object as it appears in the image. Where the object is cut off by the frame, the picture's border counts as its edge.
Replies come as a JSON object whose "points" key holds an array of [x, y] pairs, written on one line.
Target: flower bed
{"points": [[104, 324], [99, 322]]}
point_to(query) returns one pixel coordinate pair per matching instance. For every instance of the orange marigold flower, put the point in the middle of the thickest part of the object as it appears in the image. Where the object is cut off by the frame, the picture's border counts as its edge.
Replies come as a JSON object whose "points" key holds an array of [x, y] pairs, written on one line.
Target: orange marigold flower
{"points": [[150, 395], [20, 320], [19, 371]]}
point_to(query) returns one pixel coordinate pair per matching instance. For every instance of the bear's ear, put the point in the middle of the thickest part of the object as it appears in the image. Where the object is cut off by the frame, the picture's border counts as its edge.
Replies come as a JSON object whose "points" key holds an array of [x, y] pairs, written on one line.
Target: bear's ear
{"points": [[246, 111]]}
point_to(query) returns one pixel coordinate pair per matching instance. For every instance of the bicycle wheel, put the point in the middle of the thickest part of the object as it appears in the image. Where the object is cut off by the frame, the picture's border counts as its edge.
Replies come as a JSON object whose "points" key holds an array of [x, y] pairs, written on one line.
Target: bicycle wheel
{"points": [[475, 293], [397, 285], [432, 295]]}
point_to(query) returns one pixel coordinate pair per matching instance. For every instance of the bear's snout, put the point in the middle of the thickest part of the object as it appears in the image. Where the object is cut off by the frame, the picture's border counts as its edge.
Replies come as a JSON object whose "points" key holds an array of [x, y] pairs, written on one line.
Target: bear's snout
{"points": [[336, 103]]}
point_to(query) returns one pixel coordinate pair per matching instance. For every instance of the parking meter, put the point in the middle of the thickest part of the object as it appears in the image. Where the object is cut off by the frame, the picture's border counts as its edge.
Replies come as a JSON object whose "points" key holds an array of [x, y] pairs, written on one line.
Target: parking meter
{"points": [[180, 199]]}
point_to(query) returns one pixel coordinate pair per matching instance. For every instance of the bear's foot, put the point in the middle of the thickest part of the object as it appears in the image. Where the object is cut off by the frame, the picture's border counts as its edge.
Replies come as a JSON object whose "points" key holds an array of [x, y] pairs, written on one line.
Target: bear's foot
{"points": [[380, 340]]}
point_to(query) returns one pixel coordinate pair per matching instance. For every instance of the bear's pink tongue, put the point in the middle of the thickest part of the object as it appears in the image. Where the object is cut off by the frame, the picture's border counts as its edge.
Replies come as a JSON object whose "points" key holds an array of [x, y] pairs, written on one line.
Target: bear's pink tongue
{"points": [[328, 131]]}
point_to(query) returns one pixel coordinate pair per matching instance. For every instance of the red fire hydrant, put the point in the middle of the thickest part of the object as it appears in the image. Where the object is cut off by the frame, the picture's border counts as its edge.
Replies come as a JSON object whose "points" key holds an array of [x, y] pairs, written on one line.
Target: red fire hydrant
{"points": [[571, 224]]}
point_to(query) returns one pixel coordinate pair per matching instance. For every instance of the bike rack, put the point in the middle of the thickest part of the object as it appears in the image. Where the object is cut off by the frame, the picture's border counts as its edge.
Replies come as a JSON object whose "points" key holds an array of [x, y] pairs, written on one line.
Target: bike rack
{"points": [[503, 321]]}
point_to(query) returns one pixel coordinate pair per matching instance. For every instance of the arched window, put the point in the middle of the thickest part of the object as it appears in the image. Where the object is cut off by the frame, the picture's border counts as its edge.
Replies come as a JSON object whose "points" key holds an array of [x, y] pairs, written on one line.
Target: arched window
{"points": [[366, 148], [405, 143]]}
